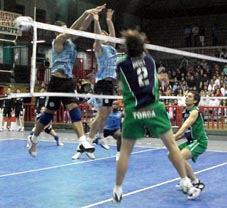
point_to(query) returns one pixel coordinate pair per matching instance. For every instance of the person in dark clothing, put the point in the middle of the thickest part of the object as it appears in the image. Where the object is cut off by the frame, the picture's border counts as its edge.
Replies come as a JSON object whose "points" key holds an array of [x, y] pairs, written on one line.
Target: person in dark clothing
{"points": [[19, 111], [40, 101], [8, 107]]}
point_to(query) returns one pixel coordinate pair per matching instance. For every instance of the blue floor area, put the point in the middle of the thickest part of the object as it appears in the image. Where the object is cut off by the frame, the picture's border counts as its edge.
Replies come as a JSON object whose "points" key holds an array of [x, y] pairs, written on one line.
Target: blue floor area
{"points": [[53, 180]]}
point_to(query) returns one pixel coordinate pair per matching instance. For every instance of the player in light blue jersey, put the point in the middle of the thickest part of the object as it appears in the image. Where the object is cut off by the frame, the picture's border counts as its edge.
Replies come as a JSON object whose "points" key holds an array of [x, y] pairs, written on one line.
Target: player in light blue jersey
{"points": [[106, 56], [64, 55]]}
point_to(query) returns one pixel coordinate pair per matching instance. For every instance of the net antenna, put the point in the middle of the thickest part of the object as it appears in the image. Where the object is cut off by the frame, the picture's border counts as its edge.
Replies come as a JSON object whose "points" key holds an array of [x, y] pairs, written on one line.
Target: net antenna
{"points": [[34, 51]]}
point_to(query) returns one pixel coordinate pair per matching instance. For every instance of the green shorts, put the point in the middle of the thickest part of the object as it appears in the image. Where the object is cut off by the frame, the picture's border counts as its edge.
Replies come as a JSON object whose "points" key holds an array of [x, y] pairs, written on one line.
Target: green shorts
{"points": [[152, 116], [195, 147]]}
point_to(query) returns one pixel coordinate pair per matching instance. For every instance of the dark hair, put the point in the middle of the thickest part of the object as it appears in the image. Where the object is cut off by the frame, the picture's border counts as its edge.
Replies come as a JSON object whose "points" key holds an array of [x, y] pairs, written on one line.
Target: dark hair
{"points": [[134, 41], [196, 96], [59, 23]]}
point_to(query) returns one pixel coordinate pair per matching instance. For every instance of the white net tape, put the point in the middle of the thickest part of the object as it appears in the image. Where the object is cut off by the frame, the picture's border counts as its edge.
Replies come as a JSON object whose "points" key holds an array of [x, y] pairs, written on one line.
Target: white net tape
{"points": [[27, 22]]}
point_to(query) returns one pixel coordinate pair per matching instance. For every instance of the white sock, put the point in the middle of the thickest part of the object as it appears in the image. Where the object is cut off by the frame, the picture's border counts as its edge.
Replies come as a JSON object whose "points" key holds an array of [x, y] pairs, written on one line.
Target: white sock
{"points": [[118, 188], [34, 138], [195, 181], [100, 135], [82, 139]]}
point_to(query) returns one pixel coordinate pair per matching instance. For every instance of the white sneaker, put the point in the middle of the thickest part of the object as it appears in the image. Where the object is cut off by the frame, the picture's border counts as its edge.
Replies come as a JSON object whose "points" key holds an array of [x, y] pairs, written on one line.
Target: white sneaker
{"points": [[102, 142], [32, 146], [86, 146], [117, 156], [1, 129], [91, 155], [185, 184], [59, 143], [77, 156], [19, 129], [193, 192], [117, 194]]}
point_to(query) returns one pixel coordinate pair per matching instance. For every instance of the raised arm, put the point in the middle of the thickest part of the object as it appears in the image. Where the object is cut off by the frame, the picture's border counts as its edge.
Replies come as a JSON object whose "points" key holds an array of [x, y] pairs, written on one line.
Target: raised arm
{"points": [[81, 23], [97, 29], [110, 25], [85, 19]]}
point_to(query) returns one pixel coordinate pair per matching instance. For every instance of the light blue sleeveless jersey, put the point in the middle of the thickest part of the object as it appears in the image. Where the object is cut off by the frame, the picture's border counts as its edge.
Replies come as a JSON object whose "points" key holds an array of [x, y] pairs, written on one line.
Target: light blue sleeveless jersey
{"points": [[107, 63], [63, 61], [113, 121]]}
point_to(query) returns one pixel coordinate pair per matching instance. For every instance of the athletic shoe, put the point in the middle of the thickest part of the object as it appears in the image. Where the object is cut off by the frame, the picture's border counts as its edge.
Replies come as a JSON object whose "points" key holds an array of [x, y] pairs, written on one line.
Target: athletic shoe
{"points": [[117, 156], [22, 129], [85, 146], [77, 156], [117, 195], [32, 146], [29, 137], [96, 140], [19, 129], [102, 142], [193, 193], [185, 184], [1, 129], [199, 185], [91, 155], [59, 143]]}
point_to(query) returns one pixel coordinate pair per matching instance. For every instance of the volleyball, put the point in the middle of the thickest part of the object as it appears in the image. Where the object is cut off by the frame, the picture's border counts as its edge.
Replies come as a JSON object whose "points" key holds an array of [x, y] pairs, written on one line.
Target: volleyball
{"points": [[21, 23]]}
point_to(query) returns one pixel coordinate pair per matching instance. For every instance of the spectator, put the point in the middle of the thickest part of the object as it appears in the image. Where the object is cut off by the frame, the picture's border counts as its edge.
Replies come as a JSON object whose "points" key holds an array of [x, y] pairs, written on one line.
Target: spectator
{"points": [[224, 89], [203, 101], [214, 34], [195, 35], [216, 69], [188, 36], [224, 110], [202, 35], [191, 82], [211, 86], [223, 54], [161, 67], [225, 70]]}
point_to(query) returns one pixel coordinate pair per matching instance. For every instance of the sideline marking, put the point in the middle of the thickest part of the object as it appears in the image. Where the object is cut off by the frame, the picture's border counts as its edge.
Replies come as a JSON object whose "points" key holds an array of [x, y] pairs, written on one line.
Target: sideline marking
{"points": [[69, 164], [154, 186]]}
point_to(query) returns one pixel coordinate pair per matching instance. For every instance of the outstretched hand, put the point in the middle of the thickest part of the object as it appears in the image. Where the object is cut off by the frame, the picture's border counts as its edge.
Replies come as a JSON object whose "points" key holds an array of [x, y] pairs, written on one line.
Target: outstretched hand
{"points": [[96, 10], [100, 8], [109, 14]]}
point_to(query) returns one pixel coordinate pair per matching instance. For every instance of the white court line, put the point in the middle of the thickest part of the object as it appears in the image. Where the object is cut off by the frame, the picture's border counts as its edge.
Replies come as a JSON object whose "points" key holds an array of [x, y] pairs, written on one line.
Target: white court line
{"points": [[69, 164], [154, 186]]}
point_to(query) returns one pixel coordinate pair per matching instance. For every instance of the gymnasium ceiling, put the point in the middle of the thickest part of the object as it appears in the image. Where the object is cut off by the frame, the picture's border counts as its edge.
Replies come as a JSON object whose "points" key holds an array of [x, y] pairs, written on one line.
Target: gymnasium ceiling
{"points": [[151, 9]]}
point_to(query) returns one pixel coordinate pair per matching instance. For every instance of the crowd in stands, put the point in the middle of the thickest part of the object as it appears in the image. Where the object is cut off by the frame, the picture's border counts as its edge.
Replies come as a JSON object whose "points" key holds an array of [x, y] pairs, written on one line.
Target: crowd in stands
{"points": [[210, 79]]}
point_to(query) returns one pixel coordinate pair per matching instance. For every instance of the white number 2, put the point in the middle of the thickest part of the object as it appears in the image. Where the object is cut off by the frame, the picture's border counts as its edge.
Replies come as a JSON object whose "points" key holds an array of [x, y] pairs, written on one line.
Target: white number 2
{"points": [[143, 76]]}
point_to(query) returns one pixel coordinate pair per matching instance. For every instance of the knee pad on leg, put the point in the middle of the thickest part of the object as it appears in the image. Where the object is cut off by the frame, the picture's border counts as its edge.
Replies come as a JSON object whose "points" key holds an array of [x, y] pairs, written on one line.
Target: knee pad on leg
{"points": [[75, 115], [46, 118], [48, 130]]}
